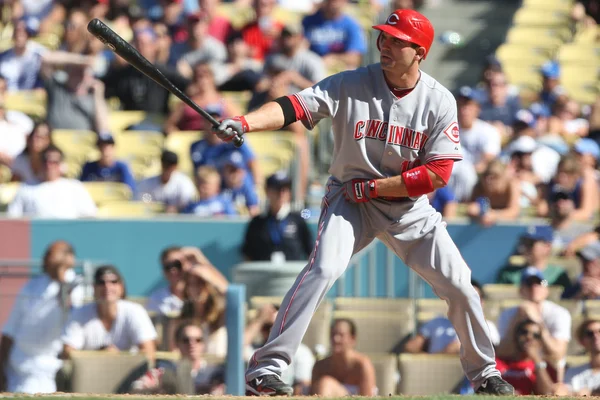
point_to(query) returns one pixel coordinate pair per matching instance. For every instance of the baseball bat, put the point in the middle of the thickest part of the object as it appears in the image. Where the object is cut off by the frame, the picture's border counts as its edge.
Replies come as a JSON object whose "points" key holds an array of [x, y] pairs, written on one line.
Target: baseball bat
{"points": [[118, 45]]}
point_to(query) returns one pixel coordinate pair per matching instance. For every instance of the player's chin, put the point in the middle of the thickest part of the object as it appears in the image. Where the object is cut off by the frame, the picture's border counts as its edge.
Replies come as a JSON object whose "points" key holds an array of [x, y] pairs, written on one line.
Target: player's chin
{"points": [[386, 62]]}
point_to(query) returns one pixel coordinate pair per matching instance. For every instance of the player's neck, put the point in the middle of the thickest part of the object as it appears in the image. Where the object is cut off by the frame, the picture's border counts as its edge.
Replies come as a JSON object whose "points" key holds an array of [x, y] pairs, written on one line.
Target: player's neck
{"points": [[402, 80]]}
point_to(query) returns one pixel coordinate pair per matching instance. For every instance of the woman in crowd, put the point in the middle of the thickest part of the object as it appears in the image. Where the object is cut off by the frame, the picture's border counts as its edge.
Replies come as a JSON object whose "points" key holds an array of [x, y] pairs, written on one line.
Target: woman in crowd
{"points": [[204, 92], [27, 166], [496, 196], [110, 323]]}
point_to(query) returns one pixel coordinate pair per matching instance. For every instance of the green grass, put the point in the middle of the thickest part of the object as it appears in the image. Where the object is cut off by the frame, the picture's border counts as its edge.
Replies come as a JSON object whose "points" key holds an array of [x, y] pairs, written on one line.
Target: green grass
{"points": [[134, 397]]}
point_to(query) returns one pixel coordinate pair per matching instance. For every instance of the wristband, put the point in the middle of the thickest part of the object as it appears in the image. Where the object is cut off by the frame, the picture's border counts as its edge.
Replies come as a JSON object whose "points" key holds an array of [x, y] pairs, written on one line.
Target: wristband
{"points": [[245, 126], [372, 188], [541, 365], [417, 181]]}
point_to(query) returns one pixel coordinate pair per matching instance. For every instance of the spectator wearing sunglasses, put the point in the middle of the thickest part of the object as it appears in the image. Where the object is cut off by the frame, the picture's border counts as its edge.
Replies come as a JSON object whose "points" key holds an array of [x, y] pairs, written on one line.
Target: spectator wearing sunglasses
{"points": [[168, 299], [525, 368], [584, 380], [110, 323], [554, 321]]}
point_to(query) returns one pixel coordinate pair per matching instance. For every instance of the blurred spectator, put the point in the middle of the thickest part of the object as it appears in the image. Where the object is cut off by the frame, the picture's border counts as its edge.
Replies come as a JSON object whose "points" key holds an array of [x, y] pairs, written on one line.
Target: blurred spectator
{"points": [[219, 27], [240, 72], [588, 152], [495, 197], [107, 168], [541, 113], [169, 11], [567, 121], [261, 33], [588, 283], [583, 237], [438, 335], [210, 150], [168, 299], [206, 378], [54, 196], [76, 37], [29, 360], [572, 183], [20, 65], [463, 180], [537, 244], [200, 47], [554, 320], [211, 202], [335, 36], [238, 186], [520, 167], [570, 236], [163, 42], [204, 304], [444, 202], [525, 367], [110, 323], [533, 161], [75, 98], [480, 141], [135, 90], [43, 14], [28, 166], [14, 127], [345, 372], [584, 380], [278, 234], [499, 107], [172, 187], [204, 92], [551, 89], [298, 374], [586, 12]]}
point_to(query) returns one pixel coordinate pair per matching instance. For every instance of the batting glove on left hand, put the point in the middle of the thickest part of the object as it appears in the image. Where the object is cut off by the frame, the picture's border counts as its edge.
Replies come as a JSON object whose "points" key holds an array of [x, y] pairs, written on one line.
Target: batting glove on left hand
{"points": [[360, 190], [230, 128]]}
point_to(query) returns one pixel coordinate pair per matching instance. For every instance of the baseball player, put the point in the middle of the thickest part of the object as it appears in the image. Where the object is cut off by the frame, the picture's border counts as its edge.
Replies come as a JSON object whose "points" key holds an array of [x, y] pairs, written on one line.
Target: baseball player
{"points": [[396, 138]]}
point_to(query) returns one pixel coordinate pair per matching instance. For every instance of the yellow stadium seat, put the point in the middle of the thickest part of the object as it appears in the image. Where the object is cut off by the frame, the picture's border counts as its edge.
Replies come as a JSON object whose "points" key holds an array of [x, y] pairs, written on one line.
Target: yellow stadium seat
{"points": [[386, 373], [8, 192], [138, 209], [564, 6], [429, 374], [528, 76], [544, 36], [403, 305], [104, 192], [30, 102], [75, 143], [540, 17], [5, 174], [119, 120], [181, 141], [139, 144], [533, 55], [587, 35], [240, 99], [580, 54], [144, 168]]}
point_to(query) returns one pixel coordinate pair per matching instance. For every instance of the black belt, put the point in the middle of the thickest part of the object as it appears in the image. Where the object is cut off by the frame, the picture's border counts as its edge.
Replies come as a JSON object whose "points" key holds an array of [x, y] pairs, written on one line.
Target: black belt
{"points": [[394, 199]]}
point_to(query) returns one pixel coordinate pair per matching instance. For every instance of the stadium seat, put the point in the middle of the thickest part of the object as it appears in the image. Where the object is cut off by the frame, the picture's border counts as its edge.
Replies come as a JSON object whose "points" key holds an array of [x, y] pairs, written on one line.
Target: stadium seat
{"points": [[386, 373], [30, 102], [564, 6], [139, 144], [543, 36], [397, 305], [145, 168], [104, 192], [578, 54], [529, 16], [496, 291], [429, 374], [518, 53], [180, 143], [7, 193], [103, 372], [74, 142], [120, 120], [129, 209], [379, 331], [5, 174], [436, 306]]}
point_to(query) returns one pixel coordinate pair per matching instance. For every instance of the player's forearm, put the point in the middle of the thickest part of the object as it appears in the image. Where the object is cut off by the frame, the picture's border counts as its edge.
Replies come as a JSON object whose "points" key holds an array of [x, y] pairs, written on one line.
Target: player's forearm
{"points": [[543, 382], [64, 57], [269, 117], [395, 186], [554, 349]]}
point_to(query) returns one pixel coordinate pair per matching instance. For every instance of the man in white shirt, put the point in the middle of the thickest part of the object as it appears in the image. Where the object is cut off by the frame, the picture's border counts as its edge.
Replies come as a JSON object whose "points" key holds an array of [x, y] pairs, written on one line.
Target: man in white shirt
{"points": [[554, 320], [172, 187], [168, 299], [55, 196], [480, 140], [31, 337], [14, 128]]}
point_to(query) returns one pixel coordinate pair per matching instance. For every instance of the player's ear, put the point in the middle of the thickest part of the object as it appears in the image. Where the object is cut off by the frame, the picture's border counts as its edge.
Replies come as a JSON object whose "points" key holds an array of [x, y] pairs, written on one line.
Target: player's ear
{"points": [[420, 54]]}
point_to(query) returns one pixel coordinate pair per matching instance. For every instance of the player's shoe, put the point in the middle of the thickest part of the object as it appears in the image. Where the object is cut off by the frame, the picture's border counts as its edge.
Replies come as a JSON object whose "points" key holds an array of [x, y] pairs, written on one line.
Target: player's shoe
{"points": [[268, 385], [496, 386]]}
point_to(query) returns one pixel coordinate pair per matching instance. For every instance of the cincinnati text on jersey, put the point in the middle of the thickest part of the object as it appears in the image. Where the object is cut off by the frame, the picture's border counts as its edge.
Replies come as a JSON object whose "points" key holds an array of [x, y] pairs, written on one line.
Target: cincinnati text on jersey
{"points": [[397, 135]]}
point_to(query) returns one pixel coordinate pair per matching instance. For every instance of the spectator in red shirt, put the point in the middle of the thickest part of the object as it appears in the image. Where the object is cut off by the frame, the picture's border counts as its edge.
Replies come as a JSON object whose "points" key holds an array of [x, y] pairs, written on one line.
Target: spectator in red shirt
{"points": [[261, 34], [526, 370], [218, 27]]}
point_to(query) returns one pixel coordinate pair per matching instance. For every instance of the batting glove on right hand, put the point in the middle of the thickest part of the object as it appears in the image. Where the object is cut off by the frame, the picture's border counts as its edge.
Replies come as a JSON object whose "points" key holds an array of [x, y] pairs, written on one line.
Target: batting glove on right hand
{"points": [[230, 128], [360, 190]]}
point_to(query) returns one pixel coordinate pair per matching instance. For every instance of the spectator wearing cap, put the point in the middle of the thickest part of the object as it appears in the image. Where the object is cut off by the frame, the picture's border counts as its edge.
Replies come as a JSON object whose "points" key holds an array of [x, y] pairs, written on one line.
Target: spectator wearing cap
{"points": [[107, 168], [238, 185], [541, 113], [499, 107], [240, 72], [588, 152], [335, 36], [537, 249], [75, 99], [211, 202], [200, 47], [210, 150], [587, 286], [480, 141], [567, 121], [551, 89], [110, 323], [41, 15], [54, 196], [135, 90], [172, 187], [261, 33], [554, 320], [204, 93], [528, 155], [14, 128], [572, 182], [20, 65], [279, 233]]}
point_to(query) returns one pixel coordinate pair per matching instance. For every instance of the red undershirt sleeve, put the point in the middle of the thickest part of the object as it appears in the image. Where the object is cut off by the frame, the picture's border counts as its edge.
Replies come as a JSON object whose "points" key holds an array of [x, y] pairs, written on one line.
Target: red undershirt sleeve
{"points": [[300, 114], [442, 168]]}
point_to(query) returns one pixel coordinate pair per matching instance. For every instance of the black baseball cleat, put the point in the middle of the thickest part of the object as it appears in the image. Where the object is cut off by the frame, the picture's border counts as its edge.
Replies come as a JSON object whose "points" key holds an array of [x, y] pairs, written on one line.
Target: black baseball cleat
{"points": [[268, 385], [496, 386]]}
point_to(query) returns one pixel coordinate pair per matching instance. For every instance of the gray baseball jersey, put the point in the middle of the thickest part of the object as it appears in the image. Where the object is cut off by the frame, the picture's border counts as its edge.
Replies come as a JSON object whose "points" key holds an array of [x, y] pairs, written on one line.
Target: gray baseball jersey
{"points": [[377, 135]]}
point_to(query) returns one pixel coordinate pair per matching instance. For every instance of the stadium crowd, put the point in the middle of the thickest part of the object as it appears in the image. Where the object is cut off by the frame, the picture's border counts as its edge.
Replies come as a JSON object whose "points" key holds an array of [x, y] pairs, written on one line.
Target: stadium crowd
{"points": [[524, 156]]}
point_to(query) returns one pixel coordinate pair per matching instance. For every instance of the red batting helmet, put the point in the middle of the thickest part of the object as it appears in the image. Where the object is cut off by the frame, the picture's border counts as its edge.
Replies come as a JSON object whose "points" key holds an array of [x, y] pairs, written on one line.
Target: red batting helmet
{"points": [[408, 25]]}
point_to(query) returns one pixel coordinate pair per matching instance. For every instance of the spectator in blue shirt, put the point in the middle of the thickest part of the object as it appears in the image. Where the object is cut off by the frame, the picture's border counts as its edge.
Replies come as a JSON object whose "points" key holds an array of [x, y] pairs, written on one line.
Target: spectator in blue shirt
{"points": [[551, 88], [499, 107], [211, 203], [212, 151], [335, 36], [238, 185], [107, 168], [444, 202]]}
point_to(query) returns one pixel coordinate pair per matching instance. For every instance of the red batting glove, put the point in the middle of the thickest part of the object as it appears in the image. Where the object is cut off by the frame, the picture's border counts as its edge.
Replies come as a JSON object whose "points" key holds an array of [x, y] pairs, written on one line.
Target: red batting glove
{"points": [[360, 190]]}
